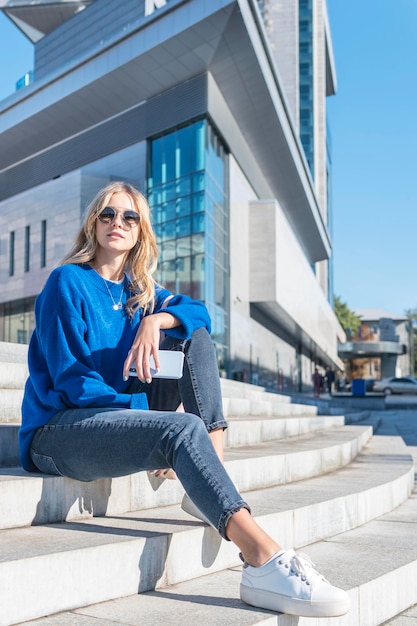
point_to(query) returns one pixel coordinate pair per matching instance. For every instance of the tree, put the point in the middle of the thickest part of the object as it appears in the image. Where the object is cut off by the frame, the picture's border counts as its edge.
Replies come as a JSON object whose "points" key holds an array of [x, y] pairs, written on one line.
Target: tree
{"points": [[349, 321]]}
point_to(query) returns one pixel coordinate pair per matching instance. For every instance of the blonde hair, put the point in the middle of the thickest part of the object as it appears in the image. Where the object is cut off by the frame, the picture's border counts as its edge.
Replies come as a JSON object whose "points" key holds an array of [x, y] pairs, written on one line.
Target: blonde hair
{"points": [[141, 260]]}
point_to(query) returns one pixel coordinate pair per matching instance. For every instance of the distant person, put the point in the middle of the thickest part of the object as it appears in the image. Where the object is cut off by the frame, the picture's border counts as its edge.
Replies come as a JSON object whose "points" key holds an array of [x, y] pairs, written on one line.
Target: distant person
{"points": [[329, 378], [82, 417], [317, 383]]}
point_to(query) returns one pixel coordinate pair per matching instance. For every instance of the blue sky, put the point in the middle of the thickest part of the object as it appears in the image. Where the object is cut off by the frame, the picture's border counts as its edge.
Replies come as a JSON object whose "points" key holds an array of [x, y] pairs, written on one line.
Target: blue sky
{"points": [[16, 54], [374, 136], [373, 120]]}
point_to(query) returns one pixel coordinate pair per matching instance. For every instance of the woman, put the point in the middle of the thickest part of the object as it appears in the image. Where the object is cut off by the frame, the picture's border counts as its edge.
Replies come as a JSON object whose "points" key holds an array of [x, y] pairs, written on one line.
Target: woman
{"points": [[82, 417]]}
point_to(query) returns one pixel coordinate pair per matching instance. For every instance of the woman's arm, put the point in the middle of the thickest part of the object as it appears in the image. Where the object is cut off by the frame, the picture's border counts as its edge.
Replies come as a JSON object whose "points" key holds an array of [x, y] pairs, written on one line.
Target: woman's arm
{"points": [[177, 315], [146, 343]]}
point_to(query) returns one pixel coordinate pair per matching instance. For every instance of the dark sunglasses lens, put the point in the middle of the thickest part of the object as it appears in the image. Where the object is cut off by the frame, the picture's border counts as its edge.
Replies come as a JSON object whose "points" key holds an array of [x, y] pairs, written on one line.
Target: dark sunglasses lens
{"points": [[107, 215], [131, 218]]}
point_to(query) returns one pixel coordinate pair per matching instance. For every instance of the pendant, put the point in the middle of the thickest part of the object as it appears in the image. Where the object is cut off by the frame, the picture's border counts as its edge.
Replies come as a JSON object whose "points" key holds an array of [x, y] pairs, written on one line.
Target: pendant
{"points": [[117, 307]]}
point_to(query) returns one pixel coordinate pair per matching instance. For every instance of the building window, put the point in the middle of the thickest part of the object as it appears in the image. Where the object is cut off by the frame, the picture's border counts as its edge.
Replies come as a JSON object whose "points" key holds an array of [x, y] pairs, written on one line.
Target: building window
{"points": [[187, 192], [43, 243], [27, 248], [18, 320], [11, 253], [306, 71]]}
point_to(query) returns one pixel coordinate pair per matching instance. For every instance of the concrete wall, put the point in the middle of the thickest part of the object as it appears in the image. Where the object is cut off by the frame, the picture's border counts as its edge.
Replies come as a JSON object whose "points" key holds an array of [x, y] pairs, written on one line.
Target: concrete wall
{"points": [[249, 341], [280, 274], [252, 344], [57, 202]]}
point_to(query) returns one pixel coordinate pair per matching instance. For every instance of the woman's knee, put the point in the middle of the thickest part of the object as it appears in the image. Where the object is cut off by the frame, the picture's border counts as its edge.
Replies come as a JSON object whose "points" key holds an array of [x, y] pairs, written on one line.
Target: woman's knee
{"points": [[201, 334], [188, 424], [200, 343]]}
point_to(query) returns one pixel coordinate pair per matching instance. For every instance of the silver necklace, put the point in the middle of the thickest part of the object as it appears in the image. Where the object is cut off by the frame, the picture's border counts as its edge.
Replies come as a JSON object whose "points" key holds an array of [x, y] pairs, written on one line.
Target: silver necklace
{"points": [[117, 306]]}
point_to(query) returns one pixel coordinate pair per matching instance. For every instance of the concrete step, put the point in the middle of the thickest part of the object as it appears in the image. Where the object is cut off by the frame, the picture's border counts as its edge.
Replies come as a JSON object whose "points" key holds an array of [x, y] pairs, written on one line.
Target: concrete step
{"points": [[10, 406], [63, 567], [237, 389], [238, 398], [242, 431], [13, 375], [13, 352], [266, 406], [248, 430], [11, 400], [38, 499], [9, 446], [245, 399], [379, 570], [407, 618]]}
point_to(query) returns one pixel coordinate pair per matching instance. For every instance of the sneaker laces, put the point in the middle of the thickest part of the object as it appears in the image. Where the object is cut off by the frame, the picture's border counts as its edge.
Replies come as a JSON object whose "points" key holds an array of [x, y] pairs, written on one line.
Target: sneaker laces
{"points": [[304, 567]]}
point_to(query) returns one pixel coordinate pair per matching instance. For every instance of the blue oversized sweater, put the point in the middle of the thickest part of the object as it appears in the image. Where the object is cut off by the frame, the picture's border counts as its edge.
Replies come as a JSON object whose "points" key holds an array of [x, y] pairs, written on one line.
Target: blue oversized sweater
{"points": [[77, 350]]}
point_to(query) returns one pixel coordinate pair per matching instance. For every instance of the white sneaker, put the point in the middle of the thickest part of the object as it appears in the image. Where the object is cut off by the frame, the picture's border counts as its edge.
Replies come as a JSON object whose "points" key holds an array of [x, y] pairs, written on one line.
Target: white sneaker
{"points": [[289, 583]]}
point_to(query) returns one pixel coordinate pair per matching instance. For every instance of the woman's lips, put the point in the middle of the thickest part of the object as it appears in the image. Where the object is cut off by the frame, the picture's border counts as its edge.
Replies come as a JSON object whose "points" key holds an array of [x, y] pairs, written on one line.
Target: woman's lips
{"points": [[115, 235]]}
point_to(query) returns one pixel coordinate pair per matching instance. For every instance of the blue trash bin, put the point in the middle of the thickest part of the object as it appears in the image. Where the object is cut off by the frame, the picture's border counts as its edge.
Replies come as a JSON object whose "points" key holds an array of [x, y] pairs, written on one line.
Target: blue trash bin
{"points": [[358, 387]]}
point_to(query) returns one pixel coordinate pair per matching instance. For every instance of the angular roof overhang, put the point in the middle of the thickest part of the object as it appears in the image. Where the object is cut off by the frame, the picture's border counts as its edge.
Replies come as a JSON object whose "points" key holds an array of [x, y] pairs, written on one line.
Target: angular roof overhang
{"points": [[359, 349], [273, 316], [37, 18], [229, 42]]}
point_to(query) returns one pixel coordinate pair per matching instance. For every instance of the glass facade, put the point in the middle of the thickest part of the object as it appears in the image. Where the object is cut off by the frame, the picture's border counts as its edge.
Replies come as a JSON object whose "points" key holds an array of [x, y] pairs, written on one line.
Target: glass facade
{"points": [[306, 80], [188, 195]]}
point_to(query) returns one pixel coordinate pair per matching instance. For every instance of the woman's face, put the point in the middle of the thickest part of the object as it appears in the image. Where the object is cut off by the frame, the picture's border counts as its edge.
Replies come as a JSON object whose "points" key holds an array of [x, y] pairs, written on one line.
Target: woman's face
{"points": [[118, 230]]}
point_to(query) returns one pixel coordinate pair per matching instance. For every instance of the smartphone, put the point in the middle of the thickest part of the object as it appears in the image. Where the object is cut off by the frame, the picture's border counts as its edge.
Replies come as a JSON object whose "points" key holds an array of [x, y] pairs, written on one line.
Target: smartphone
{"points": [[171, 365]]}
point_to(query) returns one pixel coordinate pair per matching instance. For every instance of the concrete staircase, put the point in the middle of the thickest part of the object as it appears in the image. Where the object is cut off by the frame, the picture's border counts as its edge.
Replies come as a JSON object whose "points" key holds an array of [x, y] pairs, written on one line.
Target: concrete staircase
{"points": [[123, 552]]}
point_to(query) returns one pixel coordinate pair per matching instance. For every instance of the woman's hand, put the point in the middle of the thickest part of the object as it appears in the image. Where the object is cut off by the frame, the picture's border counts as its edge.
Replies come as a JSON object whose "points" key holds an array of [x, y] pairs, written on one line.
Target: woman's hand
{"points": [[146, 344]]}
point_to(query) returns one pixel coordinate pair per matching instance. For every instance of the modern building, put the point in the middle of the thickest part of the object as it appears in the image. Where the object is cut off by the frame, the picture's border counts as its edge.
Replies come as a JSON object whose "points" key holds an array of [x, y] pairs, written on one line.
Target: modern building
{"points": [[383, 345], [216, 110]]}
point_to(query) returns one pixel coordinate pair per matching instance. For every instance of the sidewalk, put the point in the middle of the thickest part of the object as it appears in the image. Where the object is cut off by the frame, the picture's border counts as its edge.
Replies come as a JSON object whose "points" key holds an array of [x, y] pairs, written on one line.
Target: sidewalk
{"points": [[344, 402]]}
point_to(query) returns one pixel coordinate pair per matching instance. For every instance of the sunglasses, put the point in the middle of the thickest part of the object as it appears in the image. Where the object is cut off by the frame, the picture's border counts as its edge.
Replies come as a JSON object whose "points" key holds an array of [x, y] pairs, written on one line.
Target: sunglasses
{"points": [[130, 219]]}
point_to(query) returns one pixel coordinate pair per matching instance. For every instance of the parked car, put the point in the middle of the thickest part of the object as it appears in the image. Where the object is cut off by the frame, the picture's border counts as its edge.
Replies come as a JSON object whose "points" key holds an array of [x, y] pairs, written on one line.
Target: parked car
{"points": [[394, 384]]}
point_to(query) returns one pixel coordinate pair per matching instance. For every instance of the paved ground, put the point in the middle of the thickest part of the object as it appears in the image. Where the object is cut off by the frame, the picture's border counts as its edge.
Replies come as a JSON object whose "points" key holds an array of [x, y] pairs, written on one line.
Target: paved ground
{"points": [[401, 400], [401, 422]]}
